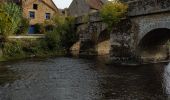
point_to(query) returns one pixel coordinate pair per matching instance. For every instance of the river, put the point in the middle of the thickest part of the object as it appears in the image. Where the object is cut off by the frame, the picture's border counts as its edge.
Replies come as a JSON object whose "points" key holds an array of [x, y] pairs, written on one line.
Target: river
{"points": [[64, 78]]}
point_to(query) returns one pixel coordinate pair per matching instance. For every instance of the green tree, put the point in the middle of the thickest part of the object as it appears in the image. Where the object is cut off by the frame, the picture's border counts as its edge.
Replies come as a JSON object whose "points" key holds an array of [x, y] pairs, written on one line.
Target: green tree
{"points": [[52, 40], [112, 12], [24, 26], [15, 14], [5, 24], [69, 36], [64, 30]]}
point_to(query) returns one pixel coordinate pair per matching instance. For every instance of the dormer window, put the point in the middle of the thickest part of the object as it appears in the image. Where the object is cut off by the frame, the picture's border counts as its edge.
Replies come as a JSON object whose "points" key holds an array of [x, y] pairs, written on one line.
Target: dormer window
{"points": [[35, 6]]}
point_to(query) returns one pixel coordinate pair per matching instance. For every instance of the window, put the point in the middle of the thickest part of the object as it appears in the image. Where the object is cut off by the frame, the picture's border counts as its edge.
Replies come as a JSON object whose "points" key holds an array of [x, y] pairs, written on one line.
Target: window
{"points": [[32, 14], [47, 15], [35, 6]]}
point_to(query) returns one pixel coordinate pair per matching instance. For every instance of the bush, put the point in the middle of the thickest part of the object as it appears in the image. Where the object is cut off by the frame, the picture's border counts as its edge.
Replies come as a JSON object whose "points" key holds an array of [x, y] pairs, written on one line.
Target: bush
{"points": [[66, 29], [112, 12], [24, 26], [12, 49], [69, 37], [31, 46], [37, 28], [52, 40]]}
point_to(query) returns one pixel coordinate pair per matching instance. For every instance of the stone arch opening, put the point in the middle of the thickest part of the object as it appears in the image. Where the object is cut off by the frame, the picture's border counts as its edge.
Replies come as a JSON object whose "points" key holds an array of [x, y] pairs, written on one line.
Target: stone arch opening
{"points": [[153, 45], [103, 43], [103, 36]]}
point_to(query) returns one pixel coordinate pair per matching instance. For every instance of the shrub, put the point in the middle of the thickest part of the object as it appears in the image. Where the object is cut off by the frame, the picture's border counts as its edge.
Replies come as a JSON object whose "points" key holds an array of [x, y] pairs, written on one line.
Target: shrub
{"points": [[31, 46], [113, 11], [52, 40], [24, 26], [60, 33], [37, 28], [12, 49], [69, 36], [66, 29]]}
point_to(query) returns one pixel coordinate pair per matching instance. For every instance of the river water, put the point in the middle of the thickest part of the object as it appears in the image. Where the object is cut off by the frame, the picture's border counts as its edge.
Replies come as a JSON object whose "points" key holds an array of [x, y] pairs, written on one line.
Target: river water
{"points": [[65, 78]]}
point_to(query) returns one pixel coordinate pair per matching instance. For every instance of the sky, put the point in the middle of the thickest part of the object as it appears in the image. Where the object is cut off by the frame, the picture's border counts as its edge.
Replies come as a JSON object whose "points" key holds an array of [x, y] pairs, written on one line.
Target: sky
{"points": [[62, 3]]}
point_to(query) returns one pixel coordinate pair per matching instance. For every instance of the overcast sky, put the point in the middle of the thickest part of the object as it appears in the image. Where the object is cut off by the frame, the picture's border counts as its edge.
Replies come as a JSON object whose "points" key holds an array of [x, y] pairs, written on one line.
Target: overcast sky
{"points": [[62, 3]]}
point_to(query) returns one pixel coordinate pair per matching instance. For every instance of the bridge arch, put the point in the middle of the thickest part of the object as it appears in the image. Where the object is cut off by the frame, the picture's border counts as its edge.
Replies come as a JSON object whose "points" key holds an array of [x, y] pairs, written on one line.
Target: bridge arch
{"points": [[153, 45], [154, 37], [148, 27]]}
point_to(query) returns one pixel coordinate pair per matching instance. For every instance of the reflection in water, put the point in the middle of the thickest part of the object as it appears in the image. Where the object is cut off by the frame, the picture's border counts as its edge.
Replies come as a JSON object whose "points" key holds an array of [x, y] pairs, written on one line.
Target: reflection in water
{"points": [[83, 79], [167, 79], [7, 75]]}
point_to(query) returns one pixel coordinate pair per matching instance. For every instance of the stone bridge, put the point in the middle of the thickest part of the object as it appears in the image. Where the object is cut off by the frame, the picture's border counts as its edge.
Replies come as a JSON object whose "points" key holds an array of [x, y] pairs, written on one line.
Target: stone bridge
{"points": [[143, 36], [91, 31]]}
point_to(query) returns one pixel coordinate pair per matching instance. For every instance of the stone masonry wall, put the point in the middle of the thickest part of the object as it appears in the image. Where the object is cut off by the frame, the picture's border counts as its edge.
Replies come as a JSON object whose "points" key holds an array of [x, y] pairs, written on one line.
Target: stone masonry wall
{"points": [[141, 26], [120, 38], [39, 13]]}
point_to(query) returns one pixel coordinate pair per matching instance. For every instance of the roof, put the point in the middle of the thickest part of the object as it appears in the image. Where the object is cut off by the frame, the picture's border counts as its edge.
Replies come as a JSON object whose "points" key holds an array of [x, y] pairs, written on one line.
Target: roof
{"points": [[51, 3], [94, 4]]}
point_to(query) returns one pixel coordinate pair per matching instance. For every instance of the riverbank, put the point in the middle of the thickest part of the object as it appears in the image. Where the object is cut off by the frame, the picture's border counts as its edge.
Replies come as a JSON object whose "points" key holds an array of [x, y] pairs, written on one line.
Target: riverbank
{"points": [[21, 47], [48, 54]]}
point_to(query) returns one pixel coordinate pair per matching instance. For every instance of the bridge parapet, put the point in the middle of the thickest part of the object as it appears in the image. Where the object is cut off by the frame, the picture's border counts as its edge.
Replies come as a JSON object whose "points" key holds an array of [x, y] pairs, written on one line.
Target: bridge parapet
{"points": [[144, 7]]}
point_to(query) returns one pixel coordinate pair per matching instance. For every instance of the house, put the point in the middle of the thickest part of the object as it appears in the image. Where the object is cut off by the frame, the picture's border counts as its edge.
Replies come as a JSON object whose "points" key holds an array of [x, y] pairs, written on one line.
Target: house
{"points": [[81, 7], [37, 11]]}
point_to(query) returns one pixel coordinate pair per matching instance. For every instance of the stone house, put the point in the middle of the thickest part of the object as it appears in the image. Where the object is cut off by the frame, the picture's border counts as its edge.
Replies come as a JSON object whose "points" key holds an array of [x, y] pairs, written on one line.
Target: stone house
{"points": [[37, 11], [82, 7]]}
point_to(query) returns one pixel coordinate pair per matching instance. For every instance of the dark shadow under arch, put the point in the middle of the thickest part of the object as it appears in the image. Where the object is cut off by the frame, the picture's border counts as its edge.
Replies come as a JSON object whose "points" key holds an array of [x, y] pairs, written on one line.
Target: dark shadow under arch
{"points": [[155, 37], [154, 44], [103, 36]]}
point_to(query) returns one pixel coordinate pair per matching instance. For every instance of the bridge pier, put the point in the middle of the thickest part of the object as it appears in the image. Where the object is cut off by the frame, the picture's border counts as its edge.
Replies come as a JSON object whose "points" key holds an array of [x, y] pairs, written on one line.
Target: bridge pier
{"points": [[121, 46]]}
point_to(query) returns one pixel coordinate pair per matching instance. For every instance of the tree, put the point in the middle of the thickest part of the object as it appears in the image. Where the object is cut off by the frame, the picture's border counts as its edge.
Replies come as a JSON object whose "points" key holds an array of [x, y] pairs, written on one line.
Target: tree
{"points": [[5, 23], [14, 13], [63, 31], [112, 12]]}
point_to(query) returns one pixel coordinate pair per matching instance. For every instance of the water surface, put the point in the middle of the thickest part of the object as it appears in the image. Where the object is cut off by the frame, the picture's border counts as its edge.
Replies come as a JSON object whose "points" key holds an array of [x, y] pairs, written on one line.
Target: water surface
{"points": [[65, 78]]}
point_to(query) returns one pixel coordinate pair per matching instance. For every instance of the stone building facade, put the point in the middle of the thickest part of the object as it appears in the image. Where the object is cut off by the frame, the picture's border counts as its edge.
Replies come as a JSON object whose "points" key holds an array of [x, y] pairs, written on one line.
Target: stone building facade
{"points": [[37, 11]]}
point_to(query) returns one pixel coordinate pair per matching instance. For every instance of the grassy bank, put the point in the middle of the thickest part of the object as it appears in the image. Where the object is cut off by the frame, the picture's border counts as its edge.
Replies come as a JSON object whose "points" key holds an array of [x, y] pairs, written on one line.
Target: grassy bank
{"points": [[26, 48]]}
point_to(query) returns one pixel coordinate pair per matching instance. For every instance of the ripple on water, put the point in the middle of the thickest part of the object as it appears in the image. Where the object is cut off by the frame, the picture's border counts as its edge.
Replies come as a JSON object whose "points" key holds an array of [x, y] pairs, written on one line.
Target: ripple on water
{"points": [[81, 79]]}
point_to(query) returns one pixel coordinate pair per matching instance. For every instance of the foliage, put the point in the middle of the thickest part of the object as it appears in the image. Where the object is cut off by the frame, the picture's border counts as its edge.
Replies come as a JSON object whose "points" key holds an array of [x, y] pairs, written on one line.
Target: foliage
{"points": [[52, 40], [5, 24], [24, 26], [15, 14], [45, 27], [65, 29], [69, 36], [113, 11], [37, 28], [12, 49], [31, 46]]}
